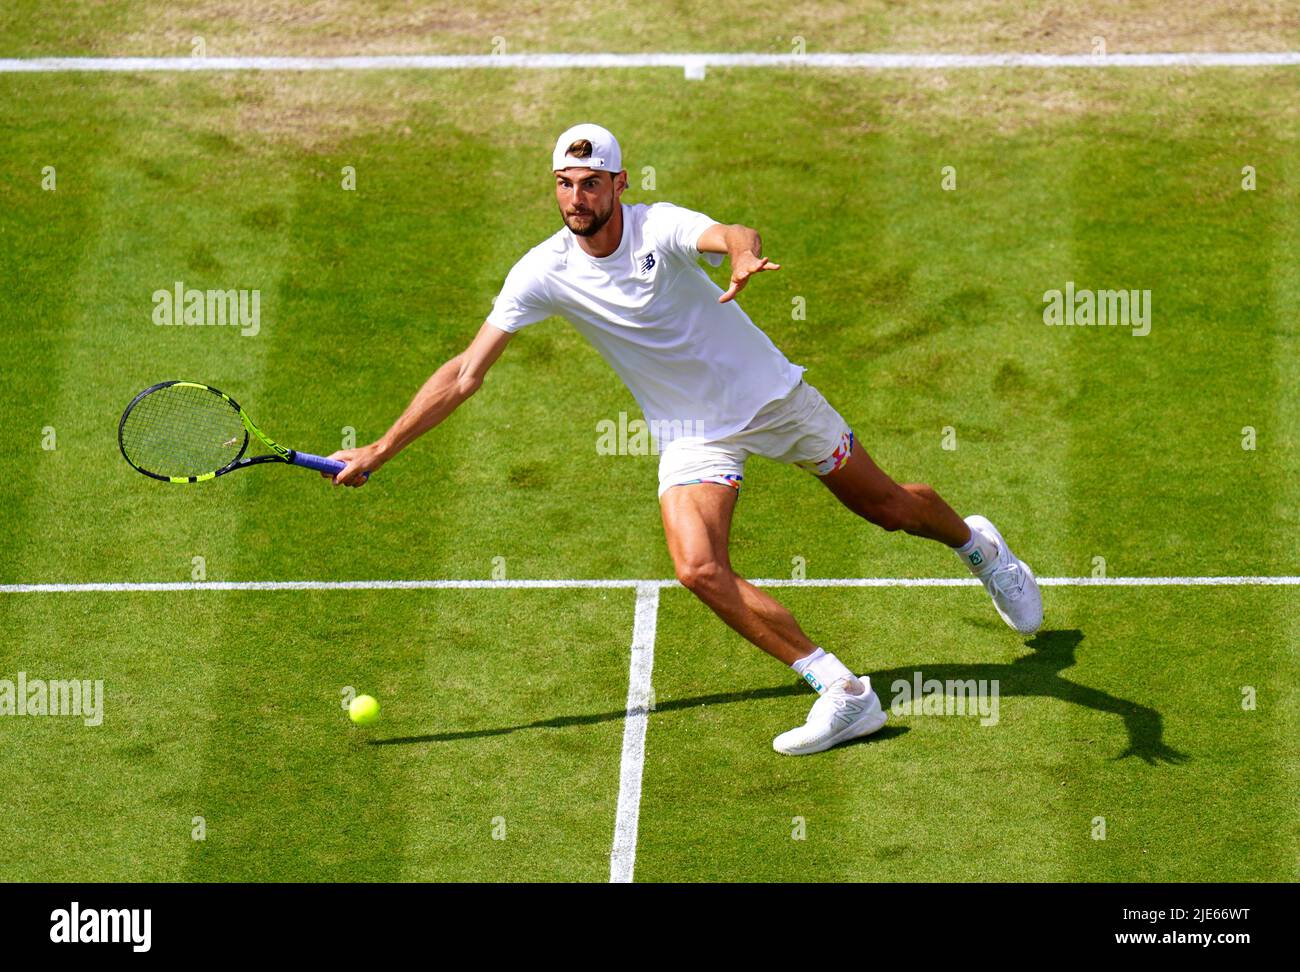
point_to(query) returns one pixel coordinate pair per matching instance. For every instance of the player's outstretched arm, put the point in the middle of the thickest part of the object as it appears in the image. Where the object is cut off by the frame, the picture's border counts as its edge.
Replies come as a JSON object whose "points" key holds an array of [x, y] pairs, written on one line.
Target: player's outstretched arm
{"points": [[744, 248], [445, 390]]}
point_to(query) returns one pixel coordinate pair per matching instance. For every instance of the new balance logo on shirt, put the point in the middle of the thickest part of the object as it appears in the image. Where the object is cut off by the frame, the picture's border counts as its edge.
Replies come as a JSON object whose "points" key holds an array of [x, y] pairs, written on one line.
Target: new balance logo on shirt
{"points": [[647, 263]]}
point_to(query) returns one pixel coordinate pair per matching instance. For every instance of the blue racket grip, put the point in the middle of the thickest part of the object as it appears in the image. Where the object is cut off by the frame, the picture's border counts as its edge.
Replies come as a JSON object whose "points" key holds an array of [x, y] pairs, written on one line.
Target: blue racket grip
{"points": [[320, 463]]}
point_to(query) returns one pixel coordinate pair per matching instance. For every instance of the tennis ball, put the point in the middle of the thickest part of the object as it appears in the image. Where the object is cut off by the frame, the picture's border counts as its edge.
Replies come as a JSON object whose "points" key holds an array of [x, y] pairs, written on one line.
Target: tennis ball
{"points": [[363, 710]]}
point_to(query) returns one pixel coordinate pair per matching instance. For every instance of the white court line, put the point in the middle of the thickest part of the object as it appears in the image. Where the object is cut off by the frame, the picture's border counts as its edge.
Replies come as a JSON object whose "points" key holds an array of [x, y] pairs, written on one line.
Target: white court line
{"points": [[693, 64], [622, 857], [511, 585]]}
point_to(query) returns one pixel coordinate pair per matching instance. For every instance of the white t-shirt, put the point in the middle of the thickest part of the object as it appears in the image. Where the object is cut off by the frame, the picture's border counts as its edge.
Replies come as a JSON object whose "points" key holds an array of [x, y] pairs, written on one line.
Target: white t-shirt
{"points": [[697, 368]]}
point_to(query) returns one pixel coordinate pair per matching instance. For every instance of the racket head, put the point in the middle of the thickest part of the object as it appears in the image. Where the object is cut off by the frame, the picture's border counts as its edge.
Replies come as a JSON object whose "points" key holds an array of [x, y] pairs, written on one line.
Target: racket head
{"points": [[182, 432]]}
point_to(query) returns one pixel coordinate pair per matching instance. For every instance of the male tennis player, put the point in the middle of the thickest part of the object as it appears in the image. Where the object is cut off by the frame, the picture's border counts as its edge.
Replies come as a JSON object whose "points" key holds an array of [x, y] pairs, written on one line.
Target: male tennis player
{"points": [[715, 390]]}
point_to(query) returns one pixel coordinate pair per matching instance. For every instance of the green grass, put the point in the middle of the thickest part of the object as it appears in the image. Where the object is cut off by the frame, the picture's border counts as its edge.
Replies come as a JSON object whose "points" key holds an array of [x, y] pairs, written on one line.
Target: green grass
{"points": [[924, 311], [228, 707], [1094, 716]]}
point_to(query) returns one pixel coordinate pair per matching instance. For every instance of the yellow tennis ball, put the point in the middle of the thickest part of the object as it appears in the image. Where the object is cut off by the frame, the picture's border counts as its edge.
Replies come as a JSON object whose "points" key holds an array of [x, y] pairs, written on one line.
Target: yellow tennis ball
{"points": [[363, 710]]}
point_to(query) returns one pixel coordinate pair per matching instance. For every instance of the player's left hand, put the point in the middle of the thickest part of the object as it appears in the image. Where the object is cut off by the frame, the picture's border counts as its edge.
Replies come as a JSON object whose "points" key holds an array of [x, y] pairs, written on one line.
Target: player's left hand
{"points": [[742, 270]]}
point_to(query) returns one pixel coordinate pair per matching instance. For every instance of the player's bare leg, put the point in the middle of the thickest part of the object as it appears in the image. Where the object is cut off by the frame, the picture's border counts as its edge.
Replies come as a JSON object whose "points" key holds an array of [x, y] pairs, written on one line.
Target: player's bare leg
{"points": [[916, 508], [697, 524]]}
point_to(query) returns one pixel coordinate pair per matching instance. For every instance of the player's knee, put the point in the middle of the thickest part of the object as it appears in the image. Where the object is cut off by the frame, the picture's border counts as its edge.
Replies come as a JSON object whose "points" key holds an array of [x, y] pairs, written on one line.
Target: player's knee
{"points": [[701, 576]]}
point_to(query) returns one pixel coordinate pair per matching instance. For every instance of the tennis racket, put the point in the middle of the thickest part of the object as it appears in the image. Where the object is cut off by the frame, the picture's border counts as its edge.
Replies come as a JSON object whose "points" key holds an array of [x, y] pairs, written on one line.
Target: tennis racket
{"points": [[185, 432]]}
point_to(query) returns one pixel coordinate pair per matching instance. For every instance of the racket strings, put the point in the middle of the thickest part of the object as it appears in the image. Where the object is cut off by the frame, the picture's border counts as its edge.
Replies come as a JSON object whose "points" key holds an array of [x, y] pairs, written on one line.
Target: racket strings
{"points": [[181, 430]]}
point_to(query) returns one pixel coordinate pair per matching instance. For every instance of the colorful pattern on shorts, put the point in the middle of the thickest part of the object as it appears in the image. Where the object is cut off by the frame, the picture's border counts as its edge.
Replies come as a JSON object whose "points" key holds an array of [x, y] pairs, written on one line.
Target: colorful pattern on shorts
{"points": [[725, 479], [835, 460]]}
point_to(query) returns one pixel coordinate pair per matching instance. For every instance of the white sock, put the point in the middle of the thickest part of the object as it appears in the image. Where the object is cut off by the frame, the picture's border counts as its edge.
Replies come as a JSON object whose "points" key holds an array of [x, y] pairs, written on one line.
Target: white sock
{"points": [[979, 553], [822, 669]]}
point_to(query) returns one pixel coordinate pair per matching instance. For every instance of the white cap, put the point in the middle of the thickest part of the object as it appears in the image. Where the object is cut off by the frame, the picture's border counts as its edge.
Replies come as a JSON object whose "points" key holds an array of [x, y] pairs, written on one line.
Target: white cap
{"points": [[606, 156]]}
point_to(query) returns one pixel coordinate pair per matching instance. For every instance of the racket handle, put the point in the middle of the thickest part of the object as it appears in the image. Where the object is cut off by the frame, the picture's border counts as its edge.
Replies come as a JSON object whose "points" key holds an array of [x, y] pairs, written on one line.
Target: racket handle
{"points": [[320, 463]]}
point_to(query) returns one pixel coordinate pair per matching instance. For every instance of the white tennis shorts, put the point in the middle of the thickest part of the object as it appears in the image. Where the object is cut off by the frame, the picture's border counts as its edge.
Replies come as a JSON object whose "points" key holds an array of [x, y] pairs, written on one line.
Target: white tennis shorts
{"points": [[802, 429]]}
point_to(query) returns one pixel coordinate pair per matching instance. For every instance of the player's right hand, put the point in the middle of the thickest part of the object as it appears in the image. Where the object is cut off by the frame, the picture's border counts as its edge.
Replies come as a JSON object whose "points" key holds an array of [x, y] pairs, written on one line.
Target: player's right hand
{"points": [[361, 462]]}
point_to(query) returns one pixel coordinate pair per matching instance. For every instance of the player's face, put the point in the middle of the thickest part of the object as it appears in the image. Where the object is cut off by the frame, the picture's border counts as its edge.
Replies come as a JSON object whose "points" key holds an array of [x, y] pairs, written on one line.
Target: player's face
{"points": [[586, 198]]}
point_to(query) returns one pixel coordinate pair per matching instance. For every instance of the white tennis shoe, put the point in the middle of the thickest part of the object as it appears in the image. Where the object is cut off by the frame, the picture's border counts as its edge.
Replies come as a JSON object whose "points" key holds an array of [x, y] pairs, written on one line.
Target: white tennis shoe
{"points": [[837, 716], [1010, 583]]}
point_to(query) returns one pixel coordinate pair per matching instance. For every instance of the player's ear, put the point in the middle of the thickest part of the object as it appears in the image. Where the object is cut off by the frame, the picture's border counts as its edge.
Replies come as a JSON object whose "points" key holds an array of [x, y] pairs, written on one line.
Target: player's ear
{"points": [[620, 183]]}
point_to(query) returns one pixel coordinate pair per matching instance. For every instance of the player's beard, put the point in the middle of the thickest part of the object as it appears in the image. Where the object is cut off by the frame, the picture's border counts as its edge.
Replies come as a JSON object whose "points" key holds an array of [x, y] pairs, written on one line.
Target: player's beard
{"points": [[588, 228]]}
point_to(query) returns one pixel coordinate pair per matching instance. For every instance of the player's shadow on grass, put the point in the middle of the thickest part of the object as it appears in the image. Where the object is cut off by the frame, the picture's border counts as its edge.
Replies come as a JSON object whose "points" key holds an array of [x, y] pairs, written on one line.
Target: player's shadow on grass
{"points": [[1035, 674], [1038, 674], [560, 722]]}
